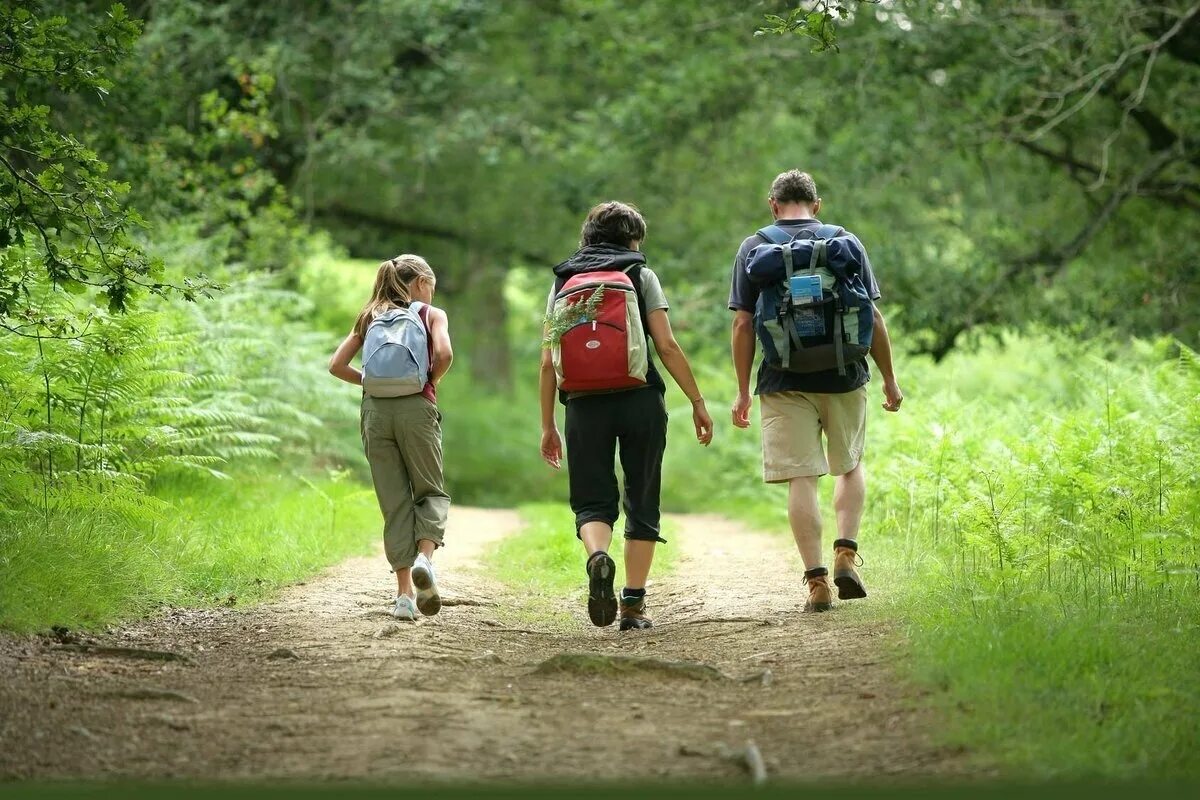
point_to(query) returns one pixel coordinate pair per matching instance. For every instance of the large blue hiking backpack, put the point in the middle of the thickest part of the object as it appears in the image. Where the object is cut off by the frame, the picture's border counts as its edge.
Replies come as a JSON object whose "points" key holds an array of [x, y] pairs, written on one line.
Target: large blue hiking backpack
{"points": [[395, 353], [814, 310]]}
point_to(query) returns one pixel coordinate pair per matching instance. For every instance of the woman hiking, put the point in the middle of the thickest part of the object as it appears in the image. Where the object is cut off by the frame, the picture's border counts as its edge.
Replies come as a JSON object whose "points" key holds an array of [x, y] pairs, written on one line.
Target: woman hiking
{"points": [[604, 310]]}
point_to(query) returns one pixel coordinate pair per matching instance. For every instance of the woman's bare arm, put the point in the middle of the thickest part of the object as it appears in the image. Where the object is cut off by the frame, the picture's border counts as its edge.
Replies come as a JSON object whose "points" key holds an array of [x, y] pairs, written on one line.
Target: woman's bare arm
{"points": [[676, 363], [547, 387]]}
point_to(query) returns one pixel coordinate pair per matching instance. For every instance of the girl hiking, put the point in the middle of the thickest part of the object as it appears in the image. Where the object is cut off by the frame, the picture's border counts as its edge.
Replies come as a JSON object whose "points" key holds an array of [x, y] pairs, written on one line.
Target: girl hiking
{"points": [[605, 309], [406, 350]]}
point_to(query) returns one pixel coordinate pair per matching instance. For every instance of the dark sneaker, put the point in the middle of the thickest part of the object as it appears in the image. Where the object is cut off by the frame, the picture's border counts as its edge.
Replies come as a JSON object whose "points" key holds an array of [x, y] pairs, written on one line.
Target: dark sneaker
{"points": [[602, 599], [633, 614], [845, 576], [820, 598]]}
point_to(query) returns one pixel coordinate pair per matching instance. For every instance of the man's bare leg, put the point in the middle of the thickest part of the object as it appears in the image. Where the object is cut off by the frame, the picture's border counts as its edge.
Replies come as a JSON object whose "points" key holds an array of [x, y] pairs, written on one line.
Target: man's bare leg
{"points": [[849, 496], [804, 514]]}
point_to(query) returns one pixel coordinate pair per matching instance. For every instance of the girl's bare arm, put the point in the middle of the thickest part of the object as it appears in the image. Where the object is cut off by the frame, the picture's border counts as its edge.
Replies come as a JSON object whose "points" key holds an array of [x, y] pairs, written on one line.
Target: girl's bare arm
{"points": [[339, 364], [443, 353]]}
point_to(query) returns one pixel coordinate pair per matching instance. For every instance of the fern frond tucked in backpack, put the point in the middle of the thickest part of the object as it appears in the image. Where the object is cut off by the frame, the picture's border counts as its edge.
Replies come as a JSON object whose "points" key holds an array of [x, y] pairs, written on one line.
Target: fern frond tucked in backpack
{"points": [[565, 316]]}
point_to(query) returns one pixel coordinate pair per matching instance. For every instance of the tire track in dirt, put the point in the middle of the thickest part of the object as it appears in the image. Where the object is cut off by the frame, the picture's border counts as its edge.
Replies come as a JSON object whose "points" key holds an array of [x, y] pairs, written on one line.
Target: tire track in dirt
{"points": [[457, 697]]}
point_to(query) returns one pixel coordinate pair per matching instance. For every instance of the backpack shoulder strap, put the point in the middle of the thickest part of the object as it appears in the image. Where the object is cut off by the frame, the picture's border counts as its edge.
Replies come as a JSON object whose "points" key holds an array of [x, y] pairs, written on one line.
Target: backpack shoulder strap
{"points": [[774, 234], [422, 310], [830, 231], [635, 275]]}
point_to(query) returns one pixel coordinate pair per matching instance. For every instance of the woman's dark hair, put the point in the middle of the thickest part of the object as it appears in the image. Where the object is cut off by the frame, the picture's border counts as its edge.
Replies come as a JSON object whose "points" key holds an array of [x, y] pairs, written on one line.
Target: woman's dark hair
{"points": [[613, 223]]}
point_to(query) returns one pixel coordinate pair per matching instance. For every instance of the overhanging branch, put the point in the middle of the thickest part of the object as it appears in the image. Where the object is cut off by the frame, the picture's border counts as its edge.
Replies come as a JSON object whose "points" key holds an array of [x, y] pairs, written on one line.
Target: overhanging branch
{"points": [[1054, 260], [379, 222]]}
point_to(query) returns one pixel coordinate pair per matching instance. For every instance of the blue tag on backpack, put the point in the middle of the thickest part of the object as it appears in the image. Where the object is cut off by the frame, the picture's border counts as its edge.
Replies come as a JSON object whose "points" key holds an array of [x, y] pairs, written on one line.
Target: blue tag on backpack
{"points": [[806, 291]]}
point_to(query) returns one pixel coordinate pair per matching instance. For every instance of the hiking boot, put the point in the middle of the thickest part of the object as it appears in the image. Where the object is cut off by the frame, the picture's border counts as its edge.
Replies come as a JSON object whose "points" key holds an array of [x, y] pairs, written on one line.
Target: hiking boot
{"points": [[820, 598], [602, 600], [633, 614], [405, 609], [428, 599], [845, 576]]}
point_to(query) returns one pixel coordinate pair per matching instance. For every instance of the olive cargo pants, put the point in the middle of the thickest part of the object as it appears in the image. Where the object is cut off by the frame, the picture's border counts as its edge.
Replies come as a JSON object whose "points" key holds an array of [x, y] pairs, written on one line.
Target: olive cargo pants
{"points": [[402, 437]]}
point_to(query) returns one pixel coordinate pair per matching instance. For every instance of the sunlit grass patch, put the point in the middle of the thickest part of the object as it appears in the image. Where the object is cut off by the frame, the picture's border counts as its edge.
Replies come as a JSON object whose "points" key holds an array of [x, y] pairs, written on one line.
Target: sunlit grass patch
{"points": [[1048, 695], [206, 542]]}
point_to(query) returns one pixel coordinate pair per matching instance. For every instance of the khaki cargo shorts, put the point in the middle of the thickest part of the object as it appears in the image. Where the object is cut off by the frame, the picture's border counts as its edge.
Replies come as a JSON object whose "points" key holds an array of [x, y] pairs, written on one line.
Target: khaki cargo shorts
{"points": [[792, 426]]}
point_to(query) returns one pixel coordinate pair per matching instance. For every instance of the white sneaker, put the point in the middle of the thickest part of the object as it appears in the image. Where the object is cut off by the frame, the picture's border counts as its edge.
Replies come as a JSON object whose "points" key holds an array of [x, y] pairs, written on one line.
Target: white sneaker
{"points": [[405, 608], [424, 579]]}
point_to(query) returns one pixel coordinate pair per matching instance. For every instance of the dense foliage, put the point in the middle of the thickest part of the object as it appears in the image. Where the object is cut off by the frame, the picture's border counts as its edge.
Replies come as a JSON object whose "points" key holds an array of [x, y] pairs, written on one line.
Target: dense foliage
{"points": [[1006, 162], [1024, 173]]}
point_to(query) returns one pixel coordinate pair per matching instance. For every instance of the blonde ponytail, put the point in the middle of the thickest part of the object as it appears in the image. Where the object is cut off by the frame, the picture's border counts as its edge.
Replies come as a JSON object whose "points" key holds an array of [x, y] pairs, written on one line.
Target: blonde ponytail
{"points": [[393, 287]]}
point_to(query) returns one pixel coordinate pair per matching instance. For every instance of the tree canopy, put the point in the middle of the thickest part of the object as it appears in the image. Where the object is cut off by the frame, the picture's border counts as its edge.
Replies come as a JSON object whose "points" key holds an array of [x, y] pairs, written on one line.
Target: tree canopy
{"points": [[1023, 162]]}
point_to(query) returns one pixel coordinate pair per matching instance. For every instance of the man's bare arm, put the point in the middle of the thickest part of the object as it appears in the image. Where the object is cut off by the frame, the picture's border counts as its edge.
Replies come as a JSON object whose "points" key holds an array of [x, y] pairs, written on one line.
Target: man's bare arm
{"points": [[742, 344]]}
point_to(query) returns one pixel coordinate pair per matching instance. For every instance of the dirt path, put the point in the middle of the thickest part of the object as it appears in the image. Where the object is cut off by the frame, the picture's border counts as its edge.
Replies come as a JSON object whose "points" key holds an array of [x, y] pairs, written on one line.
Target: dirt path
{"points": [[458, 697]]}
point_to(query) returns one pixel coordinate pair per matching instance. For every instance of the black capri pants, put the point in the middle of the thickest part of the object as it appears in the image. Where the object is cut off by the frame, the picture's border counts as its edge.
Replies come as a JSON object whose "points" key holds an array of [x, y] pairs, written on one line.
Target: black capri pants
{"points": [[633, 422]]}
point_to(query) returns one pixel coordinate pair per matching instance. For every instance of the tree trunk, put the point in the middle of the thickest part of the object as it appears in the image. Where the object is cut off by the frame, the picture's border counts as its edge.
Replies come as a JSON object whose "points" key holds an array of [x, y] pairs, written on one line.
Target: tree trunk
{"points": [[482, 313]]}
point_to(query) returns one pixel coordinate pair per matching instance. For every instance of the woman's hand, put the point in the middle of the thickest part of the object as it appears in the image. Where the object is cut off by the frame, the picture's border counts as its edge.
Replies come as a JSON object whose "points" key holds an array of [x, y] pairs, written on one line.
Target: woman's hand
{"points": [[702, 421], [552, 447]]}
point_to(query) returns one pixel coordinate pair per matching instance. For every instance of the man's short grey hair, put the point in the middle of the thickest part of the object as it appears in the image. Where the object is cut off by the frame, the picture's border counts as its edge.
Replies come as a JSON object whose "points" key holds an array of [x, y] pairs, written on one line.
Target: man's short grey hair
{"points": [[794, 186]]}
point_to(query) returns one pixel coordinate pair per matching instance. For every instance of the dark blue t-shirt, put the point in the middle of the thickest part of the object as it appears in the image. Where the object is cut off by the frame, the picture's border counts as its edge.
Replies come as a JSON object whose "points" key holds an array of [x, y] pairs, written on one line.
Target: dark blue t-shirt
{"points": [[742, 297]]}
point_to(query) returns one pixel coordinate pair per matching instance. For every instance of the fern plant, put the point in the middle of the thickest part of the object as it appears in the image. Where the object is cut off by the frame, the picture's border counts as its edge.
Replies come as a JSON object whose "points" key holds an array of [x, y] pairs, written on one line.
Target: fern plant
{"points": [[560, 320], [87, 421]]}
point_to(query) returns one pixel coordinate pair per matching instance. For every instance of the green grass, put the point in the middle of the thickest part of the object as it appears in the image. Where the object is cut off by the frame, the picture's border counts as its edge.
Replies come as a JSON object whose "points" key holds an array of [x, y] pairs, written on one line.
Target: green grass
{"points": [[543, 562], [200, 542], [1052, 696]]}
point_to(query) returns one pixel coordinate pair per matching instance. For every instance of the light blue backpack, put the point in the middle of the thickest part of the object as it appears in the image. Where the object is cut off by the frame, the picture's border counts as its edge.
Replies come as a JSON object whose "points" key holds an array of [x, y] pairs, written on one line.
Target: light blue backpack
{"points": [[396, 353]]}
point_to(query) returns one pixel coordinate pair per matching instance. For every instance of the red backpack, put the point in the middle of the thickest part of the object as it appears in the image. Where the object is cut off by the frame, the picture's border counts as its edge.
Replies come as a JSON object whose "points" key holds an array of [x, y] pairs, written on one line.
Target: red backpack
{"points": [[604, 345]]}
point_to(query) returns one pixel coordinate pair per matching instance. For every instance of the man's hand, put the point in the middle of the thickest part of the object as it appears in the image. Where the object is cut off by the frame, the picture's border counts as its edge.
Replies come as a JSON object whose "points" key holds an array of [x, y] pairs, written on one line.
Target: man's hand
{"points": [[703, 422], [892, 396], [741, 410], [552, 448]]}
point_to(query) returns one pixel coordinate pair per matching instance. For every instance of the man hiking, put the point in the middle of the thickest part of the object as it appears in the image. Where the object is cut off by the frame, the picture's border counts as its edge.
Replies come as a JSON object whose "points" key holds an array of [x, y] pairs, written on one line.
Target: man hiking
{"points": [[806, 292]]}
